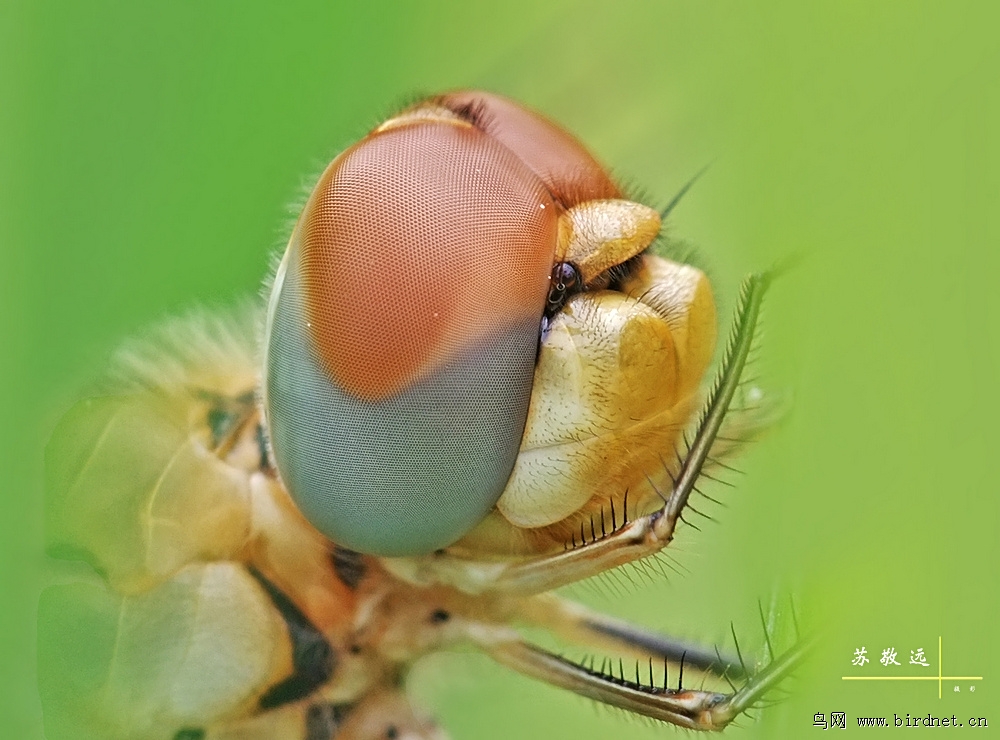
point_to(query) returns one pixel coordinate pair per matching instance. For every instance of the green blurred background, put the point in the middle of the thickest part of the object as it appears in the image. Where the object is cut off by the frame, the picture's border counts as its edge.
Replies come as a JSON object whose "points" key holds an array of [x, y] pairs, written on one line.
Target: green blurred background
{"points": [[148, 151]]}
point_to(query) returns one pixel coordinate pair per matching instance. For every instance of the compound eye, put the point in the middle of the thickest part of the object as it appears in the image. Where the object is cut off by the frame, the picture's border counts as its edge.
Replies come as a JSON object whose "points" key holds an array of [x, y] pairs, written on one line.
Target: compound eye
{"points": [[563, 163], [402, 335]]}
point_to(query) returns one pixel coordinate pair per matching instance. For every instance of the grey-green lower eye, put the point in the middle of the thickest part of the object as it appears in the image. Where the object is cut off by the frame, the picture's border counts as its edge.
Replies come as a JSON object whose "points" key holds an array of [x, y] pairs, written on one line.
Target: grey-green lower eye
{"points": [[409, 473]]}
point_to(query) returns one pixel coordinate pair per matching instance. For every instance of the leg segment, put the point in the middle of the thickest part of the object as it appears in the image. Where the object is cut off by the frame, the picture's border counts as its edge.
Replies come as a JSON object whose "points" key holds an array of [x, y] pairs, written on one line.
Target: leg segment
{"points": [[694, 709], [578, 624]]}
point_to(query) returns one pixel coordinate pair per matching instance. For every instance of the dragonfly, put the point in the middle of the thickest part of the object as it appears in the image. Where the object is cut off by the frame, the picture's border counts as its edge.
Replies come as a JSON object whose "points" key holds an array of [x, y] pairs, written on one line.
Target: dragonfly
{"points": [[474, 382]]}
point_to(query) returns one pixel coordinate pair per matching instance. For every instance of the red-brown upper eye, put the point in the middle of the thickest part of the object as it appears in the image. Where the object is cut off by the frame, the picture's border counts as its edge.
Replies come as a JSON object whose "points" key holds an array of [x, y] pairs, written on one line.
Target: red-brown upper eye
{"points": [[419, 240], [568, 170]]}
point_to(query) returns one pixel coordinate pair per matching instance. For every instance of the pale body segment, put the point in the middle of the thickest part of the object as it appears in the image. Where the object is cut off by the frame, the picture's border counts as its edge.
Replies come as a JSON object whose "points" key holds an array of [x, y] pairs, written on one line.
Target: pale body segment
{"points": [[223, 609]]}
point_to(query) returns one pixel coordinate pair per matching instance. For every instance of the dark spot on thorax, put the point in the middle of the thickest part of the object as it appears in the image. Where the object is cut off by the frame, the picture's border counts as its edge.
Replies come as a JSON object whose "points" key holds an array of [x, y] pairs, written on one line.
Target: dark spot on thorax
{"points": [[324, 719], [190, 733], [313, 658], [348, 565]]}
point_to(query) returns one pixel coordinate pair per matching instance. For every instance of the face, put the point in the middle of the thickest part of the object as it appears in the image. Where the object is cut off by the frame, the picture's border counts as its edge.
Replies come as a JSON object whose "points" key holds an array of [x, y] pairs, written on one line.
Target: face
{"points": [[475, 384], [464, 327]]}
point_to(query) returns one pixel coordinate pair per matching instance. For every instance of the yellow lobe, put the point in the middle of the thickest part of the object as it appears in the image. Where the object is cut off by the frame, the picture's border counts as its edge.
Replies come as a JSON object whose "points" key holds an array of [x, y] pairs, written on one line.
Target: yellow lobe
{"points": [[599, 234]]}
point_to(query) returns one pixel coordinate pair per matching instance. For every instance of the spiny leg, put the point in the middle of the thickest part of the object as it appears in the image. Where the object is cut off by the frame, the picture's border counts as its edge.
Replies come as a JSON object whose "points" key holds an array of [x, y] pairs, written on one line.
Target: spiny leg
{"points": [[614, 685], [650, 680]]}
